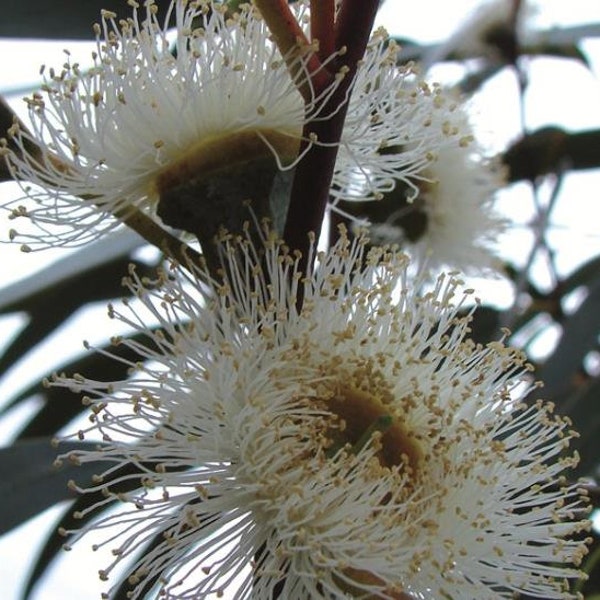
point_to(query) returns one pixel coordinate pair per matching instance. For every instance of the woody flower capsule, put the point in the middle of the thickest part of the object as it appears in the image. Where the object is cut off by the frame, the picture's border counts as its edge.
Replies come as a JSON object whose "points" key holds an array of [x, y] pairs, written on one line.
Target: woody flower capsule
{"points": [[360, 446], [181, 128]]}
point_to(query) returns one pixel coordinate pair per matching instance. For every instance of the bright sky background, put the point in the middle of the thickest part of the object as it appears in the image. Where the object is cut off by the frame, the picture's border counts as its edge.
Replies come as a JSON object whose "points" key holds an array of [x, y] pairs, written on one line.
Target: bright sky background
{"points": [[560, 93]]}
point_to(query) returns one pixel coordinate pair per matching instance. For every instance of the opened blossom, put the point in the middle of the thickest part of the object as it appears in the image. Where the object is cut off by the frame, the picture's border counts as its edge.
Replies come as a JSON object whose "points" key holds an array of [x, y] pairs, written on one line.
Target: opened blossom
{"points": [[452, 221], [176, 124], [358, 447]]}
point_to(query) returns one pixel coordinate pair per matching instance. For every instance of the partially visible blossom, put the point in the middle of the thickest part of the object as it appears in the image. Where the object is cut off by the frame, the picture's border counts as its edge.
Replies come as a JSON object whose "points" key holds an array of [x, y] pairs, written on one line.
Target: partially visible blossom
{"points": [[361, 446], [452, 222], [491, 31], [462, 223], [166, 128]]}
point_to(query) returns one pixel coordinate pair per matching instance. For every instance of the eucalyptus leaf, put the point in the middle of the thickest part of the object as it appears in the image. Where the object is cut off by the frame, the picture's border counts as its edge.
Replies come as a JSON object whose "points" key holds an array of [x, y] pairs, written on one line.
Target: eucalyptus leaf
{"points": [[473, 81], [49, 310], [586, 274], [29, 481], [562, 42], [127, 478], [55, 541], [60, 404], [122, 242], [60, 19], [582, 405], [579, 337], [552, 150], [7, 119], [484, 324]]}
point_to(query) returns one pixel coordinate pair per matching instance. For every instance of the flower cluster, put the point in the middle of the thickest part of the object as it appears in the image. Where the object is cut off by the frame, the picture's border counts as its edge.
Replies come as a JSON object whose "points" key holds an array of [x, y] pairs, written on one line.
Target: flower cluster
{"points": [[297, 426], [159, 116], [360, 446]]}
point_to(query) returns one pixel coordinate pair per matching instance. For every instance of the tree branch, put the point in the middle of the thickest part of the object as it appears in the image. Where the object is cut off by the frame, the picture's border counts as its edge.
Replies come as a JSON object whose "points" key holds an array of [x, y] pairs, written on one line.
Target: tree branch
{"points": [[322, 21], [312, 181], [295, 48]]}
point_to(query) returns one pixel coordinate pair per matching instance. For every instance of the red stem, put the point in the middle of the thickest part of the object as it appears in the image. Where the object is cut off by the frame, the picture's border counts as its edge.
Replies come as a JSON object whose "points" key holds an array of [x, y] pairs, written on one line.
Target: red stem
{"points": [[322, 19], [312, 180], [353, 29], [292, 43]]}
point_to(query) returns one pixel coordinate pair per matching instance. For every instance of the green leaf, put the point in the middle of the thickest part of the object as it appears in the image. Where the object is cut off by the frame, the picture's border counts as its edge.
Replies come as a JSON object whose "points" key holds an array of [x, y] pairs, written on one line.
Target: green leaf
{"points": [[580, 404], [49, 309], [551, 150], [586, 274], [29, 481], [579, 337], [127, 478], [17, 296], [61, 19], [54, 542], [556, 50], [554, 42], [60, 404], [7, 119], [474, 80], [485, 324]]}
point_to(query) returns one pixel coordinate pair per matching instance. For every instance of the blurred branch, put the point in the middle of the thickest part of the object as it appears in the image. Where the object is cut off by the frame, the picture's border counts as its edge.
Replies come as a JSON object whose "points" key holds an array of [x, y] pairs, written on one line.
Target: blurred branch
{"points": [[549, 149], [560, 42]]}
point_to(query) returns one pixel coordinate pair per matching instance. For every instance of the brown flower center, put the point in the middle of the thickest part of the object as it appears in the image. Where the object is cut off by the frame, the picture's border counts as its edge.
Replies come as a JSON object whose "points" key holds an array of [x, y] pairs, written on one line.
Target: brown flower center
{"points": [[361, 416]]}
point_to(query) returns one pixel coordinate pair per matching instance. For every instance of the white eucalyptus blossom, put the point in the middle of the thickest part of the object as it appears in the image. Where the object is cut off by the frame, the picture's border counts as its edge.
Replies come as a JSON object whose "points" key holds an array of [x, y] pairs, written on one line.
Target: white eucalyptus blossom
{"points": [[157, 113], [489, 31], [453, 221], [463, 225], [358, 447]]}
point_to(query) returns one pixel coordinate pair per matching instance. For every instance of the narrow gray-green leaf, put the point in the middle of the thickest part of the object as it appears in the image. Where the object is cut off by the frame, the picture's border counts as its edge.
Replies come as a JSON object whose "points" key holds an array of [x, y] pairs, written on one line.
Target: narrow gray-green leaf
{"points": [[579, 337], [581, 404], [110, 247], [29, 481], [60, 19]]}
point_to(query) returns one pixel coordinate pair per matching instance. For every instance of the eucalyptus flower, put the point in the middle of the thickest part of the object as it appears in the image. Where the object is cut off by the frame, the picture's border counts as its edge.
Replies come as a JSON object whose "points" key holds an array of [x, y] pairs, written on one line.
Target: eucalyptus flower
{"points": [[185, 124], [453, 221], [360, 446], [491, 31], [462, 224]]}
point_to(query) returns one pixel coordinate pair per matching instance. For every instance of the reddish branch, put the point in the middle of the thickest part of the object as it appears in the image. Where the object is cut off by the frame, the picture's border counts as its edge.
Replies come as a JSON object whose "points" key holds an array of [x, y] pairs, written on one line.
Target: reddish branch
{"points": [[322, 21], [312, 181], [293, 44]]}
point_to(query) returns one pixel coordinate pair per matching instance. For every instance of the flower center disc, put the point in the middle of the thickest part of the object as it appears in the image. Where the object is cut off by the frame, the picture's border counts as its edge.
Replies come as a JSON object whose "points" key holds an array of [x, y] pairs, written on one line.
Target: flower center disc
{"points": [[363, 415]]}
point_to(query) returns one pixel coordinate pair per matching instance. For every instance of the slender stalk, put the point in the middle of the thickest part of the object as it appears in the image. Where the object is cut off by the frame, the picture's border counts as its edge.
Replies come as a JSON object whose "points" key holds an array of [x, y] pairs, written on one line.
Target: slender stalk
{"points": [[322, 21], [153, 233], [294, 47], [353, 29], [312, 181], [282, 23], [540, 228]]}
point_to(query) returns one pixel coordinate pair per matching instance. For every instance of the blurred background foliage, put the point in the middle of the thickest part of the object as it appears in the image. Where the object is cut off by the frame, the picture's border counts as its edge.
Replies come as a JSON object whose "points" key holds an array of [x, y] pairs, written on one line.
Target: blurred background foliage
{"points": [[565, 304]]}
